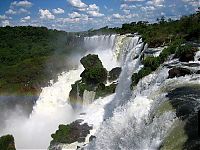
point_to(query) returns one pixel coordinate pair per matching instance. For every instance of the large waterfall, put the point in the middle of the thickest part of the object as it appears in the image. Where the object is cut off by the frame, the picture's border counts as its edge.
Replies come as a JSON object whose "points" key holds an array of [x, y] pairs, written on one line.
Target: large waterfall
{"points": [[127, 119]]}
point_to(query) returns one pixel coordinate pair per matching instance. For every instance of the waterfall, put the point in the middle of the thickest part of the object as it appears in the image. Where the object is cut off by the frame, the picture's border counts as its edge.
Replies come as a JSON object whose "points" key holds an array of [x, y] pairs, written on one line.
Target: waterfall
{"points": [[127, 119], [50, 110]]}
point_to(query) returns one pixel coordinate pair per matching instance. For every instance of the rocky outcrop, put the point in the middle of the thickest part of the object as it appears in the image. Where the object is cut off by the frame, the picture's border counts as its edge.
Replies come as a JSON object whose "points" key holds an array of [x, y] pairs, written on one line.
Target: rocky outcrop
{"points": [[186, 53], [114, 74], [92, 83], [177, 72], [67, 134], [7, 142]]}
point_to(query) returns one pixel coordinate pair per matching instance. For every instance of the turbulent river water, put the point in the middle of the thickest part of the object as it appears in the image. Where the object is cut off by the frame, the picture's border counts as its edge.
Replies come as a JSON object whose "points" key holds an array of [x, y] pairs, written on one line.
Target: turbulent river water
{"points": [[143, 118]]}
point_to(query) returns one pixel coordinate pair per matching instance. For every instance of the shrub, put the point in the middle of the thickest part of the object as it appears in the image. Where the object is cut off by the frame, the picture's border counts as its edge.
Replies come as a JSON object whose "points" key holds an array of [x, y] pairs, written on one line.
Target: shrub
{"points": [[91, 61], [62, 134], [151, 62], [7, 142], [94, 75]]}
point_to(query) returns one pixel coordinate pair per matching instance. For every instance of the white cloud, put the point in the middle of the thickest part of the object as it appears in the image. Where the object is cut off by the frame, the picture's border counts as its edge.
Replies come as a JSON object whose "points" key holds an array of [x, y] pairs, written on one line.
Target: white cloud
{"points": [[46, 14], [74, 15], [3, 17], [148, 8], [194, 3], [58, 11], [25, 19], [11, 12], [93, 7], [126, 6], [155, 2], [24, 3], [22, 10], [126, 11], [117, 16], [95, 14], [5, 23], [77, 3]]}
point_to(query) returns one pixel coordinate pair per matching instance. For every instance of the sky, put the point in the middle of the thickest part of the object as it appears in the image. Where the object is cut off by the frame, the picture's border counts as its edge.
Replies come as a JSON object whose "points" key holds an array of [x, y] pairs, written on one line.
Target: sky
{"points": [[82, 15]]}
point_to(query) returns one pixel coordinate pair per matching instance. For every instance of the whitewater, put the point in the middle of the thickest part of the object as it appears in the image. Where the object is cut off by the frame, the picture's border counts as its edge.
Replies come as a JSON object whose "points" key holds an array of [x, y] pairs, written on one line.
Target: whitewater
{"points": [[127, 119]]}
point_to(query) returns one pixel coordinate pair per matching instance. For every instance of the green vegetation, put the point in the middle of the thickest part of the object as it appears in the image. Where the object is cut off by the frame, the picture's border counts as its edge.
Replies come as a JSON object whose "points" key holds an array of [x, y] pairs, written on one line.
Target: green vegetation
{"points": [[103, 90], [62, 134], [25, 53], [185, 52], [7, 142], [161, 33], [73, 132], [94, 72], [93, 79]]}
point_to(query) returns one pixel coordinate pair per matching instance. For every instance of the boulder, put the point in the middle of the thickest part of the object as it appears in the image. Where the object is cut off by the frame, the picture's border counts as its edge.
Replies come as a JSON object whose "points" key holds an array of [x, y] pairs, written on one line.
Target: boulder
{"points": [[114, 74], [92, 137], [186, 53], [187, 57], [177, 72], [198, 72], [74, 132]]}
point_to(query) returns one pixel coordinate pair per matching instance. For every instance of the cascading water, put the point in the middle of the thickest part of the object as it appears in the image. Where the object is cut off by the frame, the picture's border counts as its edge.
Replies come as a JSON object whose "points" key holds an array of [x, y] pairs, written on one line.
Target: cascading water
{"points": [[50, 110], [127, 119]]}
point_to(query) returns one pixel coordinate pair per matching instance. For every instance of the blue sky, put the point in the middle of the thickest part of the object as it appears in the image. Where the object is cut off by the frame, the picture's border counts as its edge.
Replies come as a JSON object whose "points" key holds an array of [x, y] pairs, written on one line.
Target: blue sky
{"points": [[80, 15]]}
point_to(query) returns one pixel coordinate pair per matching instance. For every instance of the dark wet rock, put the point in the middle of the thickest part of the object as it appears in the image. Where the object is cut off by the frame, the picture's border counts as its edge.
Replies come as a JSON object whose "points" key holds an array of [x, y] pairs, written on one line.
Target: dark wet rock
{"points": [[185, 100], [7, 142], [186, 53], [198, 72], [177, 72], [114, 73], [92, 137], [74, 132], [199, 59]]}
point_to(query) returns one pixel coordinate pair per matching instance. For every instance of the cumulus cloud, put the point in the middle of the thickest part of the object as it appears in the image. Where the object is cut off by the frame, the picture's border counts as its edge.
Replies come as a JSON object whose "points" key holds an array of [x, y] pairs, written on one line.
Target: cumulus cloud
{"points": [[46, 14], [58, 11], [22, 10], [117, 16], [158, 3], [126, 6], [74, 15], [11, 12], [3, 17], [194, 3], [25, 19], [148, 8], [22, 4], [77, 3], [5, 23], [95, 13]]}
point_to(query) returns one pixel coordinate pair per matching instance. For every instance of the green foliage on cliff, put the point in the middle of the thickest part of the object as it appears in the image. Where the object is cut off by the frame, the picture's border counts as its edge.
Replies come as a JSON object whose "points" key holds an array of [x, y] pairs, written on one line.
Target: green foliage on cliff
{"points": [[25, 53], [94, 75], [103, 90], [91, 61], [185, 52], [94, 72], [7, 142], [62, 134]]}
